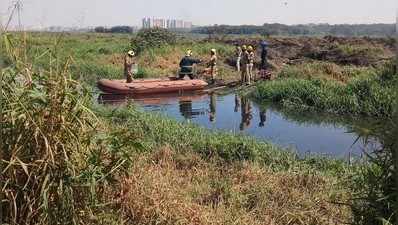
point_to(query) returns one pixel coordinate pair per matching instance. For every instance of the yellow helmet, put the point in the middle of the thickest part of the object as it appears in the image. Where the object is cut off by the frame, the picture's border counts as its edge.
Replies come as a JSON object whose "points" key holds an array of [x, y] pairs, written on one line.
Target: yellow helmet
{"points": [[213, 50], [189, 52], [131, 53], [243, 47], [250, 48]]}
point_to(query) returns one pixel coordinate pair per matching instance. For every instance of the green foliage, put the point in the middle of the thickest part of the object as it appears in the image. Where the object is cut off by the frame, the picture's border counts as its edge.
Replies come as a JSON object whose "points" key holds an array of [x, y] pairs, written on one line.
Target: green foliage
{"points": [[319, 29], [152, 38], [367, 95], [157, 131], [54, 159], [325, 70]]}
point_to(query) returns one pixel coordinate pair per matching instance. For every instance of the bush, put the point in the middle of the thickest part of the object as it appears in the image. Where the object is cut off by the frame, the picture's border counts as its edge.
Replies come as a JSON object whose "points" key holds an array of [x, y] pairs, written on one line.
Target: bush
{"points": [[368, 95], [152, 38], [54, 159]]}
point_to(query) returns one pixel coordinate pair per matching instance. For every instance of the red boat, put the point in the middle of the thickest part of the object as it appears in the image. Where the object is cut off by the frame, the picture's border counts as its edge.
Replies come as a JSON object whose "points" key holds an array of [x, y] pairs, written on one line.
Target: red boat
{"points": [[150, 86]]}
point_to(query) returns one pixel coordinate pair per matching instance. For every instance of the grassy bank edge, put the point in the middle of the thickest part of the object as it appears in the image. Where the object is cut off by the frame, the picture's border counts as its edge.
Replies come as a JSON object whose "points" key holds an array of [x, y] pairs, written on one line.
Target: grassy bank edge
{"points": [[157, 131]]}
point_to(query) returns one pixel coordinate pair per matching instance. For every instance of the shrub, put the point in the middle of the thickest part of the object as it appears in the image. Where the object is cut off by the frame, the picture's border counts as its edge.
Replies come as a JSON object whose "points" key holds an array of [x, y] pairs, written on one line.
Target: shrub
{"points": [[152, 38], [368, 95]]}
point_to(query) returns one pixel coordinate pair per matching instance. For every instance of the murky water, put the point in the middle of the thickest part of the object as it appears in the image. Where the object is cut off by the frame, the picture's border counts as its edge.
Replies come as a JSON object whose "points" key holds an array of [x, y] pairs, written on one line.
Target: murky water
{"points": [[305, 133]]}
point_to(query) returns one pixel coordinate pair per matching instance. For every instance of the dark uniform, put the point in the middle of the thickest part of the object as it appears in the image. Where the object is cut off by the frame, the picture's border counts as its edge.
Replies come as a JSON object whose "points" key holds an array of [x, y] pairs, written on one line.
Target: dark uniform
{"points": [[186, 67], [264, 52]]}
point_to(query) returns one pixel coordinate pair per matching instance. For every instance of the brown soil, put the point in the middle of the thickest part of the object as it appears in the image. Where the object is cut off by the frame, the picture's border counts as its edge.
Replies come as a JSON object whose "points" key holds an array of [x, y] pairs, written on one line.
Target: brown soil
{"points": [[358, 51]]}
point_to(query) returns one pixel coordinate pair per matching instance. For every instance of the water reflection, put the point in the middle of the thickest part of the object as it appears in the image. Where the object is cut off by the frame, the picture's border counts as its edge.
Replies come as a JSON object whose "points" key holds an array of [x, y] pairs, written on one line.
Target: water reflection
{"points": [[245, 106], [212, 107], [309, 132], [246, 113], [263, 117]]}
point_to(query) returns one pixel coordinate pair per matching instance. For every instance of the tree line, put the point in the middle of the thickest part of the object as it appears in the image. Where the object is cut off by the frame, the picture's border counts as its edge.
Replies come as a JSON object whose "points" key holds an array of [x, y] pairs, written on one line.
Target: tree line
{"points": [[115, 29], [302, 29]]}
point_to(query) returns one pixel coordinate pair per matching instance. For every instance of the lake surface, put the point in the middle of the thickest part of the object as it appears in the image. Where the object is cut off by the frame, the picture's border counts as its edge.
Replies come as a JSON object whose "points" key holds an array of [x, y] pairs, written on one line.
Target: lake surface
{"points": [[304, 133]]}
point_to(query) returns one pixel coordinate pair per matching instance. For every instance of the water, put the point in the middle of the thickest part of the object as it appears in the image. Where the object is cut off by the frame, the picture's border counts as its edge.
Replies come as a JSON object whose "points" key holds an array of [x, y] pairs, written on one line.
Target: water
{"points": [[305, 133]]}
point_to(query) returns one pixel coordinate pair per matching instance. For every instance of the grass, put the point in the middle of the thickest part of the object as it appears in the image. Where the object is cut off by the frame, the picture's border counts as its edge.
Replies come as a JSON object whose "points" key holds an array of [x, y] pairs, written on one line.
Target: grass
{"points": [[365, 94], [67, 161], [97, 56], [166, 187], [164, 61], [325, 71]]}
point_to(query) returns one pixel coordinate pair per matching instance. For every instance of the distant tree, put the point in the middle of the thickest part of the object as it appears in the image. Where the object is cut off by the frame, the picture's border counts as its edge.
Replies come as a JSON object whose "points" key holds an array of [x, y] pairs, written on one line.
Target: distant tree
{"points": [[303, 29], [152, 38], [121, 29], [115, 29], [100, 29]]}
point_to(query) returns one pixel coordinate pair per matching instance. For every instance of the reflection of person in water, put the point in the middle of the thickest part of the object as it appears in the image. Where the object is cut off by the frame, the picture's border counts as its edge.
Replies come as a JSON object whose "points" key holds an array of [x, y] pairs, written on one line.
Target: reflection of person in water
{"points": [[186, 109], [246, 113], [212, 106], [237, 103], [263, 117]]}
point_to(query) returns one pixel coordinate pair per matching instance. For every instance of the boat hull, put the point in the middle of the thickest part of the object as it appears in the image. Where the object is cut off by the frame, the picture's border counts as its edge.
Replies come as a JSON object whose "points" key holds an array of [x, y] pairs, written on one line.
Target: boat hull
{"points": [[150, 86]]}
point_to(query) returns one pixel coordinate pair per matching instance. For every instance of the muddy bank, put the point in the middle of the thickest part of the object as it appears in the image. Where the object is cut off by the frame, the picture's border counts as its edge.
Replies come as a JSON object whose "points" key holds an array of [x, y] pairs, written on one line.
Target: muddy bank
{"points": [[357, 51]]}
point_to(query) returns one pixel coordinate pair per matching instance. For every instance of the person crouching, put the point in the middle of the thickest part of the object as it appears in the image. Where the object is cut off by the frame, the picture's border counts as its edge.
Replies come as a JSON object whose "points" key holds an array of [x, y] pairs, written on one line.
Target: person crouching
{"points": [[186, 66]]}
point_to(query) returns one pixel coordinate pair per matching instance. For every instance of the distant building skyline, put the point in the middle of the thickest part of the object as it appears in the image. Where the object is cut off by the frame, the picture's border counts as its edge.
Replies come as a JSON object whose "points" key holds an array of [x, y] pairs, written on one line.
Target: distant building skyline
{"points": [[148, 22], [71, 13]]}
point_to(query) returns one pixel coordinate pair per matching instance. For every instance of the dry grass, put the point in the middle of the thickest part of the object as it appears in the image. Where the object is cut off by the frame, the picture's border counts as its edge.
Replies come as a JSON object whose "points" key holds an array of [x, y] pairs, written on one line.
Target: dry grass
{"points": [[173, 188], [324, 70]]}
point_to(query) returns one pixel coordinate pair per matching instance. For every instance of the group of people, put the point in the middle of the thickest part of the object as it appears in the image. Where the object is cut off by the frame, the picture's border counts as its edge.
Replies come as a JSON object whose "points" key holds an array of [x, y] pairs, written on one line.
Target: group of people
{"points": [[245, 58]]}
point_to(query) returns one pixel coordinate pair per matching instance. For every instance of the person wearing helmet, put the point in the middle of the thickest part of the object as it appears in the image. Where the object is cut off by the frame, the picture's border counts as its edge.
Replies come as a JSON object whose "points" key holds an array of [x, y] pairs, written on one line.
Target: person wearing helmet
{"points": [[186, 65], [264, 52], [250, 64], [264, 74], [211, 65], [244, 61], [238, 55], [129, 63]]}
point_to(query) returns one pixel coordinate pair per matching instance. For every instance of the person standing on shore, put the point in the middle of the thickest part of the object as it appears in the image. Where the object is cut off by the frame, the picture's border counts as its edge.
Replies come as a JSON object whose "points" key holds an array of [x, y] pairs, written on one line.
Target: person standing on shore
{"points": [[238, 57], [264, 74], [244, 61], [212, 64], [129, 62], [250, 64]]}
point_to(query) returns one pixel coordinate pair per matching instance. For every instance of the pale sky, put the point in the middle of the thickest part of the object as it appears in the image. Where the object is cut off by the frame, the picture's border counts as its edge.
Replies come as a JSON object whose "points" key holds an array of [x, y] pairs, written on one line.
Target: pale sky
{"points": [[44, 13]]}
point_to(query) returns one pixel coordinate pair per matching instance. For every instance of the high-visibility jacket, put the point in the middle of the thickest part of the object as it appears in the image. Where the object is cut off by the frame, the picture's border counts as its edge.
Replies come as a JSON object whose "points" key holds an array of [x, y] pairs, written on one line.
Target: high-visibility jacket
{"points": [[245, 57]]}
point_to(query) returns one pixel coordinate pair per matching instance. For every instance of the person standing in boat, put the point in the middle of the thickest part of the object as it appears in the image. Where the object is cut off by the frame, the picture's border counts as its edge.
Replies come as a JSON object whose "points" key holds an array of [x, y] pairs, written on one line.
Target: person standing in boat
{"points": [[129, 66], [186, 65]]}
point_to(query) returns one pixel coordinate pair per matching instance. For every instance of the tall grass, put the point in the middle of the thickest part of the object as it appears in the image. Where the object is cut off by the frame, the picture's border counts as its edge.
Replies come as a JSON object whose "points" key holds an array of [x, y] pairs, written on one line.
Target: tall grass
{"points": [[366, 95], [54, 160], [65, 161]]}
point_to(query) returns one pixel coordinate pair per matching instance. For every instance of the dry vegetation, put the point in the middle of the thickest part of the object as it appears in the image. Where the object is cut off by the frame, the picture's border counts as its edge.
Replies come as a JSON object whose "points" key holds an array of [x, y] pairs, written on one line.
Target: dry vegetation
{"points": [[67, 162], [169, 188]]}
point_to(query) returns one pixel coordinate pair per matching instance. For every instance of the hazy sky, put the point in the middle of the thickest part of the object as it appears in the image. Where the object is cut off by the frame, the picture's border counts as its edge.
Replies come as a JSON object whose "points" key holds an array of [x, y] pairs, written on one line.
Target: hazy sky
{"points": [[43, 13]]}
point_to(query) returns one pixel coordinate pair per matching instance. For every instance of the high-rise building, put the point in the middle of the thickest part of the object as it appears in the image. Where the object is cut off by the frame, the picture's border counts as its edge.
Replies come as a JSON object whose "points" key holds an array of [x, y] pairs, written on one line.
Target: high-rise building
{"points": [[167, 24], [188, 25], [146, 23], [180, 24]]}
